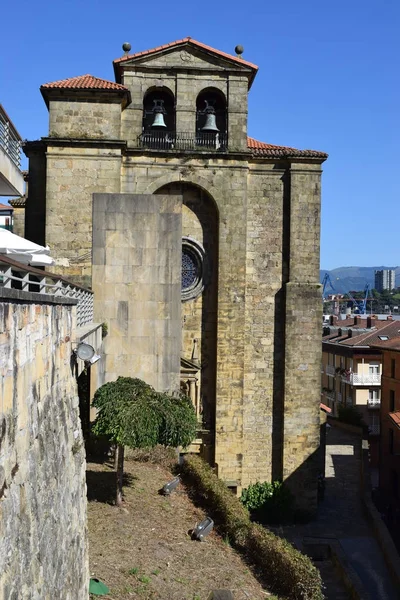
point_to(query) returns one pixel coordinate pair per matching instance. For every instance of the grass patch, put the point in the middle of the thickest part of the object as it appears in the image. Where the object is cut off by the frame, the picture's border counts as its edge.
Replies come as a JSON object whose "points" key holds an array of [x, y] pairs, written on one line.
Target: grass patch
{"points": [[284, 569]]}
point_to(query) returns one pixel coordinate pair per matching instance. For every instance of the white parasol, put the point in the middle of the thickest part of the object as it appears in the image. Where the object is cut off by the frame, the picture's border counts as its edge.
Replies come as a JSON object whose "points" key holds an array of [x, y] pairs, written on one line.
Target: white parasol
{"points": [[24, 251]]}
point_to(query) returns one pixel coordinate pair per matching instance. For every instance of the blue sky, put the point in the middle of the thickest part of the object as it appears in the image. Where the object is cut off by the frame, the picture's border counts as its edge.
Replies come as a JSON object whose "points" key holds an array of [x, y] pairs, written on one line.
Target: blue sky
{"points": [[328, 80]]}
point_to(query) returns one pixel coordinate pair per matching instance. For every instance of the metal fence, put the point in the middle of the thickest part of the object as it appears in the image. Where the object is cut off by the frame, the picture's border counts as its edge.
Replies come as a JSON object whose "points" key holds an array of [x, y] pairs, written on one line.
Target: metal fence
{"points": [[171, 140], [10, 140], [14, 275]]}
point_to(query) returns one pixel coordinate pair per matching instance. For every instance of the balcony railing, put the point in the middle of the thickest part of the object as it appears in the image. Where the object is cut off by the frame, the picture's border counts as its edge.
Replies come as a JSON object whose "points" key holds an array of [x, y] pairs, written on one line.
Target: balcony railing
{"points": [[21, 277], [374, 403], [330, 395], [10, 139], [363, 379], [330, 370], [175, 141]]}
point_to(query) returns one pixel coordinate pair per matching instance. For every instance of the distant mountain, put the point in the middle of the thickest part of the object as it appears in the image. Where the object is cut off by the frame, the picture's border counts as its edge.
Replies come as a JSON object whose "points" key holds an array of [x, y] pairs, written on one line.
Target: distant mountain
{"points": [[347, 279]]}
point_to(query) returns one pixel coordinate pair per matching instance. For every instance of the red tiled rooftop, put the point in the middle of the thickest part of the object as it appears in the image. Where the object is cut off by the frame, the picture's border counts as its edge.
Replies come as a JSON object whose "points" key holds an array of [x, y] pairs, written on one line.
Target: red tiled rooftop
{"points": [[269, 150], [5, 207], [395, 417], [184, 41], [84, 82]]}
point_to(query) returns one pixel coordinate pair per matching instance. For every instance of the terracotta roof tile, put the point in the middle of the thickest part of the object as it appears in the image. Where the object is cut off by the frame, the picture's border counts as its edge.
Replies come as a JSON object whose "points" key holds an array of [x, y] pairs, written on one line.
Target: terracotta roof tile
{"points": [[395, 417], [269, 150], [5, 207], [84, 82], [18, 202], [325, 408], [371, 338], [186, 40]]}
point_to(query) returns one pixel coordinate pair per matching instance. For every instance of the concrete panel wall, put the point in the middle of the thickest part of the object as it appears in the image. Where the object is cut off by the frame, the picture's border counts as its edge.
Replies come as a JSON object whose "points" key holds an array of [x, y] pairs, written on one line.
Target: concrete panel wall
{"points": [[137, 285], [43, 537]]}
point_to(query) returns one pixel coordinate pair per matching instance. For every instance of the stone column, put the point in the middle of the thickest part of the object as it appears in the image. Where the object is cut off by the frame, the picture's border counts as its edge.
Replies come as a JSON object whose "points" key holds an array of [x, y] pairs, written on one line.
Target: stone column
{"points": [[303, 320]]}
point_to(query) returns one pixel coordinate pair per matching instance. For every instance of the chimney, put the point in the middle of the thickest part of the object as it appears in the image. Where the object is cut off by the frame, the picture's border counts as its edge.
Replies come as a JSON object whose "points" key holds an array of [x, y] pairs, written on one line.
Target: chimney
{"points": [[357, 320], [371, 320], [389, 318], [333, 320]]}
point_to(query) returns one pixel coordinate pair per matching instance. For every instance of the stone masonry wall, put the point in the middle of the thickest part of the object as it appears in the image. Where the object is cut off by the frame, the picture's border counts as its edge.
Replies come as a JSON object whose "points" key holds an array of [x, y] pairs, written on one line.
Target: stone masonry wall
{"points": [[263, 332], [85, 120], [301, 431], [73, 176], [225, 181], [43, 538]]}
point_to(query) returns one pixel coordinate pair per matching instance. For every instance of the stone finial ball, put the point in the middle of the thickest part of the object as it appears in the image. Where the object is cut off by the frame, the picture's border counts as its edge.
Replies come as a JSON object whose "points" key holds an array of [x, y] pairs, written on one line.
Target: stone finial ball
{"points": [[239, 49], [126, 46]]}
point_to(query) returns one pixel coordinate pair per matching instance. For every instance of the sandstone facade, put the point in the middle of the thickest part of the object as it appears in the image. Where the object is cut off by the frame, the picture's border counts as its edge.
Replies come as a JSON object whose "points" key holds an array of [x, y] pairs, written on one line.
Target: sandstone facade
{"points": [[254, 210]]}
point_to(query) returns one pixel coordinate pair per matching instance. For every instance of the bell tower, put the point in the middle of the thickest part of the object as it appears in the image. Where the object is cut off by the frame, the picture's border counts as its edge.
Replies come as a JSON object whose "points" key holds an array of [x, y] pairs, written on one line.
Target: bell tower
{"points": [[186, 96]]}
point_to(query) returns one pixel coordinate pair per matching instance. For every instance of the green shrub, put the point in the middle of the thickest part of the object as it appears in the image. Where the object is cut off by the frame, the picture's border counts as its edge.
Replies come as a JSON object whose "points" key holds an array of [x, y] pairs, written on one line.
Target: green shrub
{"points": [[284, 569], [350, 415], [269, 502]]}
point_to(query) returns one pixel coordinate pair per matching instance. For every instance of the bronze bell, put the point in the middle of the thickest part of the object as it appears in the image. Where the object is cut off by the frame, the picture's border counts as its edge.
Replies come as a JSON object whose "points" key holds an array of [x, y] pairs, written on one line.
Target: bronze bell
{"points": [[211, 122], [158, 111]]}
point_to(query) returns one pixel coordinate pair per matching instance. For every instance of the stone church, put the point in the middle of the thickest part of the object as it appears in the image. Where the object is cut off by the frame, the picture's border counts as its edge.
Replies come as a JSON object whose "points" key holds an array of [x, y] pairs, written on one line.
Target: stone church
{"points": [[201, 245]]}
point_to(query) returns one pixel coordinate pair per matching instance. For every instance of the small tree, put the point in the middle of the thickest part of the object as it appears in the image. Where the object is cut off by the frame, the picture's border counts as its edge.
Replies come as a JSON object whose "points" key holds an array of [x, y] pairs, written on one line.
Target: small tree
{"points": [[131, 413]]}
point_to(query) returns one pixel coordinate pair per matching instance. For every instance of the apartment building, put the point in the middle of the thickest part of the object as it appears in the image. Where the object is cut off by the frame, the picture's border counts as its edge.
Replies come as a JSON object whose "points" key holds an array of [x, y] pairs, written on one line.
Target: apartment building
{"points": [[389, 446], [352, 365]]}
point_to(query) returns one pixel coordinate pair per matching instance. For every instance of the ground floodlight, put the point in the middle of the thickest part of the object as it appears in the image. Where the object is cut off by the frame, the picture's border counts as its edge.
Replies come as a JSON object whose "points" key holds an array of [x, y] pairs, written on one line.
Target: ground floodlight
{"points": [[85, 352], [203, 529], [170, 487]]}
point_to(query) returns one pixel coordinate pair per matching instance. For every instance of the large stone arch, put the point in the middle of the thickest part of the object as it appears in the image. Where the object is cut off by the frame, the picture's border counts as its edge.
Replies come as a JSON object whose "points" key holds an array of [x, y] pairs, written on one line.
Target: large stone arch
{"points": [[193, 179], [200, 223]]}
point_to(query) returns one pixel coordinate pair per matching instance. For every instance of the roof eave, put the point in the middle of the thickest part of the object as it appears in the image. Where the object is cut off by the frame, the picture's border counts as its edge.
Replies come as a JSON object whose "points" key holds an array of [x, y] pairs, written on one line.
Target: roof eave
{"points": [[47, 92]]}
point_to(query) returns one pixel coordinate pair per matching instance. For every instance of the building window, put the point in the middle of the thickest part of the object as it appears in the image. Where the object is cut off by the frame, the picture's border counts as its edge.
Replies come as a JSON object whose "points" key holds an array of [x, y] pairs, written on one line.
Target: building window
{"points": [[192, 269], [374, 395], [391, 401], [392, 368], [374, 368]]}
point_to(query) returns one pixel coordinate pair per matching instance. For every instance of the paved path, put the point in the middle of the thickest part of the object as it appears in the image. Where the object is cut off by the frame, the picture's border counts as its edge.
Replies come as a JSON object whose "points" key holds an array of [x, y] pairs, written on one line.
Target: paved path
{"points": [[341, 516]]}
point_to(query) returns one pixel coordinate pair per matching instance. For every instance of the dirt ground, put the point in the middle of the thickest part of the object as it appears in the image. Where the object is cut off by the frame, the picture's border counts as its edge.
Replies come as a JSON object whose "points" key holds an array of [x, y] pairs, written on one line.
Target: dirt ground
{"points": [[144, 550]]}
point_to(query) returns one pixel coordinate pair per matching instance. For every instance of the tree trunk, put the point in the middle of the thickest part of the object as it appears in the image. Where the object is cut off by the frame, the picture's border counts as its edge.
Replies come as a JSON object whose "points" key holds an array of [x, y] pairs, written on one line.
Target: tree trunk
{"points": [[120, 473]]}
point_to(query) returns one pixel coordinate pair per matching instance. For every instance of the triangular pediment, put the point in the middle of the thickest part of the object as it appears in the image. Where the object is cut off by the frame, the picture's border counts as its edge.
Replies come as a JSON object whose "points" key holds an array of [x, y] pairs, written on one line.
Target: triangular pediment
{"points": [[185, 54], [187, 57], [189, 365]]}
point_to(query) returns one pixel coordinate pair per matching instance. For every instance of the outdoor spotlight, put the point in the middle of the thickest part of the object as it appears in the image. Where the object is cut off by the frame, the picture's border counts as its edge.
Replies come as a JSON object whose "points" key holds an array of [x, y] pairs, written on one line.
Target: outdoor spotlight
{"points": [[170, 487], [203, 529], [87, 353]]}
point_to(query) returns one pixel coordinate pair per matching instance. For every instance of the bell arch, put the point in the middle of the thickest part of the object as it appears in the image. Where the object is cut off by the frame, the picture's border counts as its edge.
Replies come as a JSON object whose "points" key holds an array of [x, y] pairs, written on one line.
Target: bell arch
{"points": [[211, 112], [200, 228], [194, 179], [159, 118]]}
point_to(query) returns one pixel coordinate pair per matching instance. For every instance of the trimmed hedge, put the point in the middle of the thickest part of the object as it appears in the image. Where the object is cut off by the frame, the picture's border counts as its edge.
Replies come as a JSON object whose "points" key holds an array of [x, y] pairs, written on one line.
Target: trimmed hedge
{"points": [[285, 570]]}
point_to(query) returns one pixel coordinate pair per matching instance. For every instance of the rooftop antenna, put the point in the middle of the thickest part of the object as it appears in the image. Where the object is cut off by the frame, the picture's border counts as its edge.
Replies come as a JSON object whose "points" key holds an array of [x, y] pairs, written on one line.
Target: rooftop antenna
{"points": [[239, 50], [126, 47]]}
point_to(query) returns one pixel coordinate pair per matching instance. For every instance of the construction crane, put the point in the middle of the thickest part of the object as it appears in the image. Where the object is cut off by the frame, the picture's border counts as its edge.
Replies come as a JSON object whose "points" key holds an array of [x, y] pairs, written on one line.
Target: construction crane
{"points": [[326, 280], [361, 305]]}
